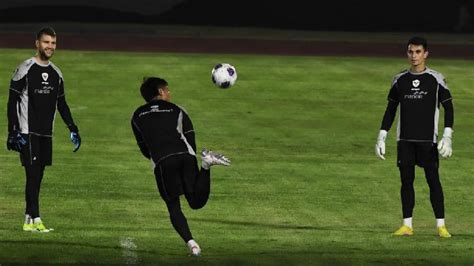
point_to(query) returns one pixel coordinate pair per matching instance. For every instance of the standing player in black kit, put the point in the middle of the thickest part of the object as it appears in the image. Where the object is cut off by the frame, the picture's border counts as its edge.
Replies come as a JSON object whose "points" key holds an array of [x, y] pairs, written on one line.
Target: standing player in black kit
{"points": [[36, 91], [419, 91], [165, 135]]}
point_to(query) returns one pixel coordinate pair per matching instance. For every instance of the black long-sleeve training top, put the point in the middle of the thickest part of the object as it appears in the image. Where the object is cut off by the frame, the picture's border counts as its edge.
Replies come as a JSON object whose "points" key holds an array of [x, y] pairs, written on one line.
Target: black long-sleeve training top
{"points": [[163, 129], [419, 96], [36, 91]]}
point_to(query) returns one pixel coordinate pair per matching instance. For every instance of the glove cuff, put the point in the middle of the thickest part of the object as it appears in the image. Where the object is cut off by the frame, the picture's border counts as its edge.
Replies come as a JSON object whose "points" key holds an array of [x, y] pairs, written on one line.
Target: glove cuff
{"points": [[448, 132], [14, 133], [382, 135], [73, 128]]}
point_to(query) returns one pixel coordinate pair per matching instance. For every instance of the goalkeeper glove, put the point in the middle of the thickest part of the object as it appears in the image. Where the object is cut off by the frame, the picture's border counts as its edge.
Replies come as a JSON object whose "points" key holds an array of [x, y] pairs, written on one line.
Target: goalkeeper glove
{"points": [[15, 141], [380, 145], [75, 137], [445, 145]]}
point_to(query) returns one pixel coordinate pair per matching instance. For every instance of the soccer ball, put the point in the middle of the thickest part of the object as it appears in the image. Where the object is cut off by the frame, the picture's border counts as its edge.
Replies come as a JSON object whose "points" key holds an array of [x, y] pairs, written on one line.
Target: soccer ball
{"points": [[224, 75]]}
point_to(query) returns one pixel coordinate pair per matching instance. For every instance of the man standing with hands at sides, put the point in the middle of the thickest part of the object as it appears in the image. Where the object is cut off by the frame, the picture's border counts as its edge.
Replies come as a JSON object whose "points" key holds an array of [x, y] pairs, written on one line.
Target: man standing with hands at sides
{"points": [[419, 91], [165, 135], [36, 91]]}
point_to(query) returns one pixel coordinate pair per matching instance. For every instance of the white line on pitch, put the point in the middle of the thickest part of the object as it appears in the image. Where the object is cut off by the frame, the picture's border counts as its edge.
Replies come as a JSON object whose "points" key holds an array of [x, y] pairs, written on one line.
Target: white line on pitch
{"points": [[128, 250]]}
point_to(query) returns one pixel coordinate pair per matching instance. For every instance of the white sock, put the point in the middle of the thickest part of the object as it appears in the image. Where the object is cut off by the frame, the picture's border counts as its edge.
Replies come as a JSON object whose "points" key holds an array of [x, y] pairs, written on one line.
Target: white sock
{"points": [[37, 220], [28, 219], [408, 222], [439, 222]]}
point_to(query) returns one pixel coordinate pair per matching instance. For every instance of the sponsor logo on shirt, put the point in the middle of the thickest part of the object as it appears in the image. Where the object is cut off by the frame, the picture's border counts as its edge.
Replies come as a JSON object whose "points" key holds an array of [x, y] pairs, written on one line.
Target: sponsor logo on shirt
{"points": [[417, 95], [155, 109], [44, 90]]}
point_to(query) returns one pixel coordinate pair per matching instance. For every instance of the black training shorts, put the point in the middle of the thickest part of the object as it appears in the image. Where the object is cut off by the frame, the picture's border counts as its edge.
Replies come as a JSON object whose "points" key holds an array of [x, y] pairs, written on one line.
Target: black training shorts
{"points": [[176, 175], [423, 154], [38, 150]]}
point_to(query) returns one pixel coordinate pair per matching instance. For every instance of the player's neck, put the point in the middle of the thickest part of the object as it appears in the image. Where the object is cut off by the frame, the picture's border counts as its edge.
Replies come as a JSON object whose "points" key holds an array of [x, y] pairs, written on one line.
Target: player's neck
{"points": [[158, 98], [418, 68], [41, 60]]}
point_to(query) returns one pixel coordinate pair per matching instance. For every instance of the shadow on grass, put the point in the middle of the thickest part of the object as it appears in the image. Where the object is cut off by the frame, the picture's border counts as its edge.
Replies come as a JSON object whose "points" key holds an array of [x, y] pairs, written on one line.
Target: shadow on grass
{"points": [[106, 255], [59, 243], [288, 226], [113, 255]]}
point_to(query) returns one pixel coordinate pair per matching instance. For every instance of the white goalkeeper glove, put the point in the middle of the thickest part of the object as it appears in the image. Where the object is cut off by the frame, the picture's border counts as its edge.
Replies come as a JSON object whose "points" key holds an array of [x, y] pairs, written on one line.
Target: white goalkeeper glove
{"points": [[445, 145], [380, 145]]}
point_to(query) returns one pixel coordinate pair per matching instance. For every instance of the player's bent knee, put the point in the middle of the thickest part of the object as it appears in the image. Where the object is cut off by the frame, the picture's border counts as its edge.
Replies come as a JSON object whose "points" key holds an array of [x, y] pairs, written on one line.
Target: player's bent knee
{"points": [[197, 205]]}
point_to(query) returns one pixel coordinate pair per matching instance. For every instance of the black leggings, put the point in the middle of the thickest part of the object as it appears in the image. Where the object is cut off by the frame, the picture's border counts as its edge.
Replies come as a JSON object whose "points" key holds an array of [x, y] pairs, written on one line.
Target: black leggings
{"points": [[407, 192], [178, 220], [196, 200], [34, 176], [198, 197], [180, 175]]}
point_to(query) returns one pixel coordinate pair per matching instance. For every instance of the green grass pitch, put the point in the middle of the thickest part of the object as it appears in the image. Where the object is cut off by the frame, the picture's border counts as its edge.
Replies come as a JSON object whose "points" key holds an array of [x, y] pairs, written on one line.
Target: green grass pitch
{"points": [[305, 186]]}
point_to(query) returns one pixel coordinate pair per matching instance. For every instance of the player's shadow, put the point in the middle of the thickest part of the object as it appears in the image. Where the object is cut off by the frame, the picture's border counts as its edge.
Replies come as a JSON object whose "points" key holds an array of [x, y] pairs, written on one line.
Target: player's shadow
{"points": [[284, 226], [306, 227], [59, 243]]}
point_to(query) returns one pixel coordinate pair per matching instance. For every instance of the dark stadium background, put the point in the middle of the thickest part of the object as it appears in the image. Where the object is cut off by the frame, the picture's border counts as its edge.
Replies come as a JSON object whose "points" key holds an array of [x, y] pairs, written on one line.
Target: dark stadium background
{"points": [[372, 16]]}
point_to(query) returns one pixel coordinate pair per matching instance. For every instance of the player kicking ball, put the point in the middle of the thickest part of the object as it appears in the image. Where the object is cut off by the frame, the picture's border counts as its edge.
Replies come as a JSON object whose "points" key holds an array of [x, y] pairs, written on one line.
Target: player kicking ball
{"points": [[419, 91], [165, 135]]}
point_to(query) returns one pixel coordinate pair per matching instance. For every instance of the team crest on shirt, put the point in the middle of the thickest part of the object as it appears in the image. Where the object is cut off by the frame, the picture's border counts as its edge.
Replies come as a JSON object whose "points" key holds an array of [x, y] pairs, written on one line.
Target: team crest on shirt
{"points": [[45, 76], [415, 83]]}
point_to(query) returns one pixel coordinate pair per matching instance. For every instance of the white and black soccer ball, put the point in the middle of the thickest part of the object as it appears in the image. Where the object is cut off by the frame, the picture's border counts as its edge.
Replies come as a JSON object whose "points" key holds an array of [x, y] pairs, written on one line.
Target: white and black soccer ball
{"points": [[224, 75]]}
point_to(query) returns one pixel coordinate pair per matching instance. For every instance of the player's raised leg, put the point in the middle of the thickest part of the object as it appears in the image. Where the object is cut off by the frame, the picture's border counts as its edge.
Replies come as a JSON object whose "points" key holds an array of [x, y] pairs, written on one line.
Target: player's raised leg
{"points": [[198, 182]]}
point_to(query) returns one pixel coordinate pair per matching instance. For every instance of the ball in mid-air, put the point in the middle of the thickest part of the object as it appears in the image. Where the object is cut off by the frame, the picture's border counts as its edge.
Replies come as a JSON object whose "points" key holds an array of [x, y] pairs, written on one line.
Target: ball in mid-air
{"points": [[224, 75]]}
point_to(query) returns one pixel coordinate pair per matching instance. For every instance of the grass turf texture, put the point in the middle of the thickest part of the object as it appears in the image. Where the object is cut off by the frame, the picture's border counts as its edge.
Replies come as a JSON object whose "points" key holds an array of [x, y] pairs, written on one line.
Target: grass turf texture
{"points": [[305, 185]]}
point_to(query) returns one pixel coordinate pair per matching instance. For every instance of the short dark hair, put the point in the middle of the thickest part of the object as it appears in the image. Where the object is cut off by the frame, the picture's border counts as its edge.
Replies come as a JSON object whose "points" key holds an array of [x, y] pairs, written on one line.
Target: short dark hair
{"points": [[418, 41], [45, 31], [150, 86]]}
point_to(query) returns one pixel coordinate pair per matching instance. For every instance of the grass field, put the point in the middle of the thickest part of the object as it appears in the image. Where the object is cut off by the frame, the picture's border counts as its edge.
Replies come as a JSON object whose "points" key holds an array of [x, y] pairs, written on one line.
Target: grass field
{"points": [[305, 186]]}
